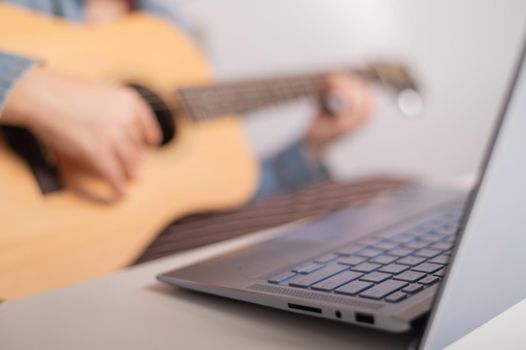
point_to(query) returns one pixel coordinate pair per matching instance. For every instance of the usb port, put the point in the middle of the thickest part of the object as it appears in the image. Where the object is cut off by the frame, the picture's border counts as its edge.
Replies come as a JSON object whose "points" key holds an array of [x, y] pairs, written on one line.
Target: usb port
{"points": [[364, 318]]}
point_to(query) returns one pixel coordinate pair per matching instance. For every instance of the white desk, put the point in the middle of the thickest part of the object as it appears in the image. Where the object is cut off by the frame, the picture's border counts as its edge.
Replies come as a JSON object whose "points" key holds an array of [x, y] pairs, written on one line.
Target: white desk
{"points": [[131, 310]]}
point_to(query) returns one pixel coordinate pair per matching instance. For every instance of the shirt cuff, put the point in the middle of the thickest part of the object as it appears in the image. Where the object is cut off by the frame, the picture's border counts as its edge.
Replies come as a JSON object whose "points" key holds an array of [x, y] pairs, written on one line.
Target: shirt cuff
{"points": [[12, 68]]}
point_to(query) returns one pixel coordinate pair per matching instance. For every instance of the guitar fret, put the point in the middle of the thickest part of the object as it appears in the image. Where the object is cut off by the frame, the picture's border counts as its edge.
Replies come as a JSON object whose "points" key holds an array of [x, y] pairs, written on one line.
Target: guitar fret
{"points": [[220, 99]]}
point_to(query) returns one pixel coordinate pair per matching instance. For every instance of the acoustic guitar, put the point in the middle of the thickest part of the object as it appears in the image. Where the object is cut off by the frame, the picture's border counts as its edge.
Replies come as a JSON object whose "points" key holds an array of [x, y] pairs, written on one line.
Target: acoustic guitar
{"points": [[56, 227]]}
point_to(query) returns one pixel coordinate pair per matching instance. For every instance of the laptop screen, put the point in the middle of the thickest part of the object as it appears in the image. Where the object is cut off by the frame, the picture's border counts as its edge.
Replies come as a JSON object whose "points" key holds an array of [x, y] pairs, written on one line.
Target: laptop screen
{"points": [[487, 276]]}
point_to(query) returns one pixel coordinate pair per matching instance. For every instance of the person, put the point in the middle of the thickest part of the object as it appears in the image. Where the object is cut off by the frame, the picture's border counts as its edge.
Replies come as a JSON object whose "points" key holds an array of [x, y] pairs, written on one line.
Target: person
{"points": [[104, 127]]}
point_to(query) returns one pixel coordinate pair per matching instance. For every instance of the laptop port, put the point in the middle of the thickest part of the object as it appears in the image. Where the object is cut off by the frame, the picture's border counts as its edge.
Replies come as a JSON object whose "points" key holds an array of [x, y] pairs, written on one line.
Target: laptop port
{"points": [[364, 318], [305, 308]]}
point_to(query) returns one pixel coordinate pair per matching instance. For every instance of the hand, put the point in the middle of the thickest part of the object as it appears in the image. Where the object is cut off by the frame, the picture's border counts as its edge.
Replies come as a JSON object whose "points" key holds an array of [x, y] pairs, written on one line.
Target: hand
{"points": [[101, 127], [354, 107], [104, 11]]}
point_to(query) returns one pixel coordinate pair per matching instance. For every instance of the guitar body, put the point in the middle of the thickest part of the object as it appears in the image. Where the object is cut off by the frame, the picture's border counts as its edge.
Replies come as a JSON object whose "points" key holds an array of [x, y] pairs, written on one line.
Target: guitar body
{"points": [[49, 241]]}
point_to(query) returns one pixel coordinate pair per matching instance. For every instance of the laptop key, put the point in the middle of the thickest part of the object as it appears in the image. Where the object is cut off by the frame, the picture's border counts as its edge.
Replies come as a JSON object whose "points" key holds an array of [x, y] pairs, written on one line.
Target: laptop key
{"points": [[384, 259], [336, 281], [383, 289], [308, 268], [354, 287], [376, 277], [429, 280], [413, 288], [411, 260], [442, 245], [441, 259], [432, 237], [394, 268], [403, 238], [385, 245], [409, 276], [450, 239], [400, 251], [423, 228], [427, 253], [427, 267], [305, 281], [416, 244], [326, 258], [350, 250], [436, 222], [282, 277], [352, 260], [396, 297], [365, 267], [453, 228], [440, 273], [369, 252], [449, 229]]}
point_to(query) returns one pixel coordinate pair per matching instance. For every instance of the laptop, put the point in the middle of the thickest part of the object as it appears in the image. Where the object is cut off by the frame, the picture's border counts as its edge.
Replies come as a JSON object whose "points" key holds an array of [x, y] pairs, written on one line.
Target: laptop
{"points": [[432, 261]]}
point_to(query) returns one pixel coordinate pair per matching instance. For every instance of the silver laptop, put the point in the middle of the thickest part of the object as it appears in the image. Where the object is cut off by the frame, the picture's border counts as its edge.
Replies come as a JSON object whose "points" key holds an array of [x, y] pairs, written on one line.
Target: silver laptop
{"points": [[433, 262]]}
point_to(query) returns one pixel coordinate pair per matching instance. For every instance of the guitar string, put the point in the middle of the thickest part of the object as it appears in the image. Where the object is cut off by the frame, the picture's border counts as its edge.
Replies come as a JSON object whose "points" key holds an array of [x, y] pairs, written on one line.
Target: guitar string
{"points": [[245, 103], [200, 115], [303, 88]]}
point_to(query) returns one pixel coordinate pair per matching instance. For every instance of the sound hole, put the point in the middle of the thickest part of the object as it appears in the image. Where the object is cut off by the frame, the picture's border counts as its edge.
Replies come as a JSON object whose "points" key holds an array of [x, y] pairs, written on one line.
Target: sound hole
{"points": [[161, 110]]}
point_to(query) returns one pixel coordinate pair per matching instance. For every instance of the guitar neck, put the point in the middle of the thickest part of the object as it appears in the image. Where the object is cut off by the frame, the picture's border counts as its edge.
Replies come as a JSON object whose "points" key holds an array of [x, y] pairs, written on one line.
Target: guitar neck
{"points": [[210, 101]]}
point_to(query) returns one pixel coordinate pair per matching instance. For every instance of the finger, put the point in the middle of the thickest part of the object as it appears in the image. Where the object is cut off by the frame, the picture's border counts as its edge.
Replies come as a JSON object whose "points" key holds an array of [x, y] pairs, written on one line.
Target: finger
{"points": [[107, 166], [363, 107], [128, 154], [347, 121], [369, 103], [343, 94], [361, 97], [134, 133], [148, 124], [333, 103]]}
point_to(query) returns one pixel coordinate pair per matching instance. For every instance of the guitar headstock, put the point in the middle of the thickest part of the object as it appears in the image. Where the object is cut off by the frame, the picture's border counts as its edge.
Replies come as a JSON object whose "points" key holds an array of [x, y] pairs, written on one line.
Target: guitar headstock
{"points": [[398, 77]]}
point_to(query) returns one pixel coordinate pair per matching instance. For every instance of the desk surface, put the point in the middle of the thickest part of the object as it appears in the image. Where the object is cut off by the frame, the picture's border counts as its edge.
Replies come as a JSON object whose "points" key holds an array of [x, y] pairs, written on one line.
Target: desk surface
{"points": [[131, 310]]}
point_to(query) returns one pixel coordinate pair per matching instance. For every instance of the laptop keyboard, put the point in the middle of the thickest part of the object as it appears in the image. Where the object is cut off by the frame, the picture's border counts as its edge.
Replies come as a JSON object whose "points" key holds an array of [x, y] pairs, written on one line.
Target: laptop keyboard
{"points": [[390, 267]]}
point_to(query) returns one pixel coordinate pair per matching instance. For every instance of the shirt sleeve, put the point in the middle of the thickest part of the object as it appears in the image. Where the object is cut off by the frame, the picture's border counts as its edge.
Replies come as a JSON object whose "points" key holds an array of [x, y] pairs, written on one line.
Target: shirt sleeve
{"points": [[167, 9], [11, 69], [289, 169]]}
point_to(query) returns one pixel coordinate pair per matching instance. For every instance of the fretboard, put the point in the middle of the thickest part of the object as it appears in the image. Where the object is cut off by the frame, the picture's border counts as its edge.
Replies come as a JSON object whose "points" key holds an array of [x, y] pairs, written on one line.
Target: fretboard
{"points": [[240, 97]]}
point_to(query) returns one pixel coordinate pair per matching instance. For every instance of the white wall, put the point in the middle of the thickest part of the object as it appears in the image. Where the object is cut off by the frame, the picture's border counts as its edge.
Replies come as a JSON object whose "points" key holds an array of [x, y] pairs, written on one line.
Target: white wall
{"points": [[462, 50]]}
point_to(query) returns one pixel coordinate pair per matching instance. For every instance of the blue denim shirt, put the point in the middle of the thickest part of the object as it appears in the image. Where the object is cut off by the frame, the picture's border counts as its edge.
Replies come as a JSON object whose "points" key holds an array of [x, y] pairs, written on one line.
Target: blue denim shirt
{"points": [[291, 168]]}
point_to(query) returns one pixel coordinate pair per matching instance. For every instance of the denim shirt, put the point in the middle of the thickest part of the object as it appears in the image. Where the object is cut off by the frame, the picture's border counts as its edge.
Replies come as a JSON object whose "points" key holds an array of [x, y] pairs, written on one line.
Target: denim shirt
{"points": [[289, 169]]}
